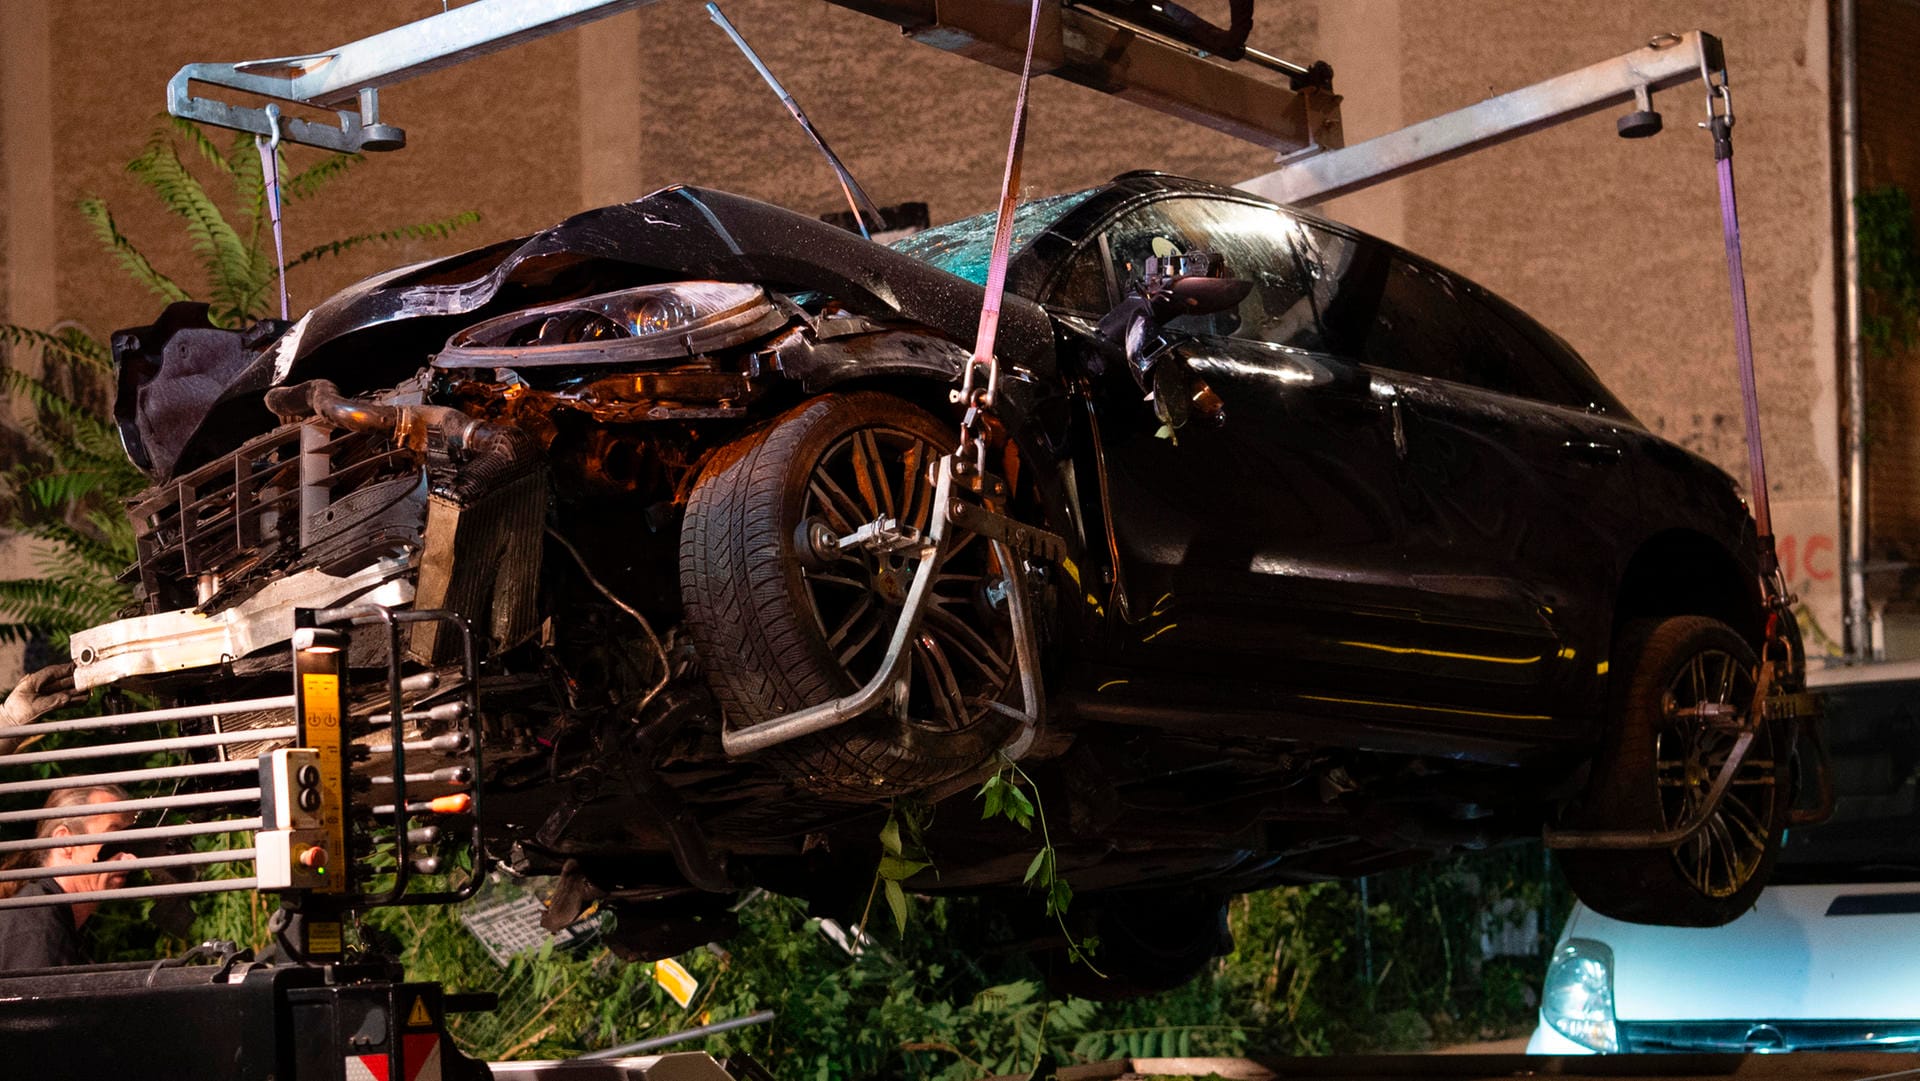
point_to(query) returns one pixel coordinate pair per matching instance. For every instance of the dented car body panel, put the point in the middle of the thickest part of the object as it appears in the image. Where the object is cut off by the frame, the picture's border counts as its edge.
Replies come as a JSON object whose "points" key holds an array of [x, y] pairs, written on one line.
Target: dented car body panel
{"points": [[1344, 565]]}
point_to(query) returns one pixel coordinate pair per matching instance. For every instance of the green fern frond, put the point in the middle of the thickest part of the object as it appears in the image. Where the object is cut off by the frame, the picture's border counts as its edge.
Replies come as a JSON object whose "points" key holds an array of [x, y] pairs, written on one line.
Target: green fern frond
{"points": [[51, 404], [68, 345], [66, 542], [196, 137], [224, 257], [123, 251], [249, 190], [433, 230], [309, 181]]}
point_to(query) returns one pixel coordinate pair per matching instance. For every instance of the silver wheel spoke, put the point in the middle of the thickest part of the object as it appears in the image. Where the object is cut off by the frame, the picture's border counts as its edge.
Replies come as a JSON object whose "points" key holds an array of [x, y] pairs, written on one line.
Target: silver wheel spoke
{"points": [[968, 644], [837, 580], [942, 686], [846, 655], [859, 612], [835, 504], [911, 508], [869, 476]]}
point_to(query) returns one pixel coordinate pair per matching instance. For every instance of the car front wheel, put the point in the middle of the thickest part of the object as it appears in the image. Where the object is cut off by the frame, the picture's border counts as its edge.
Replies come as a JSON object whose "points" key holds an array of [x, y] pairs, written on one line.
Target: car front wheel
{"points": [[1681, 688], [779, 629]]}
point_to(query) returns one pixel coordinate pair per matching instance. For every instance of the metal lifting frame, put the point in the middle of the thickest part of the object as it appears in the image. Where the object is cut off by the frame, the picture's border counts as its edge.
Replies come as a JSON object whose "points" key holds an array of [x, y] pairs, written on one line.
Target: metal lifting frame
{"points": [[1667, 61], [1088, 47]]}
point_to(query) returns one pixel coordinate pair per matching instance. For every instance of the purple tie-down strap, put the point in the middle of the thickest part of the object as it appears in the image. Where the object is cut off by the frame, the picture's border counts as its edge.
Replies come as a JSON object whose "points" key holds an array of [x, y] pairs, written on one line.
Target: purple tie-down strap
{"points": [[1003, 228], [270, 180], [1743, 346]]}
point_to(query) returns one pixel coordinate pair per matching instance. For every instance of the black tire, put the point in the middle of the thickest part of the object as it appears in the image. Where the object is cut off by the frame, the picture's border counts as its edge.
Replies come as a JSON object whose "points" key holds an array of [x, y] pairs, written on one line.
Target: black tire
{"points": [[1657, 761], [1143, 944], [776, 637]]}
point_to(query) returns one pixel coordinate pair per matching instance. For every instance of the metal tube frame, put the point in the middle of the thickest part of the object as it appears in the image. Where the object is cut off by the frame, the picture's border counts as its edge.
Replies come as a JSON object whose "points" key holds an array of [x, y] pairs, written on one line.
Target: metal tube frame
{"points": [[1856, 626], [158, 716], [143, 863], [130, 776], [355, 72], [1666, 62], [165, 803]]}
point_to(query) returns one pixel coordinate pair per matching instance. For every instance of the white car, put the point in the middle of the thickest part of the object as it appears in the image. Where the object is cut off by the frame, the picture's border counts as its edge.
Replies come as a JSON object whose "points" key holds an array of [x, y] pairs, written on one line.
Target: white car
{"points": [[1828, 957]]}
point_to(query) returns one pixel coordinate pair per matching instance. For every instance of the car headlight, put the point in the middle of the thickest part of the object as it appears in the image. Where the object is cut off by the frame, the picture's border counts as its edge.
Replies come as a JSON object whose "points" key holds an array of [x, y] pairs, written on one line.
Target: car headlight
{"points": [[1578, 997], [652, 322]]}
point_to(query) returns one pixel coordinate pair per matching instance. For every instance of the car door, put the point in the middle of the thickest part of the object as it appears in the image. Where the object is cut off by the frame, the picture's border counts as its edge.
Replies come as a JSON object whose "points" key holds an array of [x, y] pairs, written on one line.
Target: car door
{"points": [[1509, 490], [1254, 551]]}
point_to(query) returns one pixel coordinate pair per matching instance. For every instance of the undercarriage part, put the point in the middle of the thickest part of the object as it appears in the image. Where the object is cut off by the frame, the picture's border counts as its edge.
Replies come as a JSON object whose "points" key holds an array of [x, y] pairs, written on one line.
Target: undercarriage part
{"points": [[662, 929], [694, 858], [417, 427]]}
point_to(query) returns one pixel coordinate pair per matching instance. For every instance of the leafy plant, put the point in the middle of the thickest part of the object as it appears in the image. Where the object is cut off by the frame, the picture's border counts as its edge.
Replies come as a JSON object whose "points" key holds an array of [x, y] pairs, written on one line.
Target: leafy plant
{"points": [[69, 500], [1003, 795], [68, 496], [1889, 268]]}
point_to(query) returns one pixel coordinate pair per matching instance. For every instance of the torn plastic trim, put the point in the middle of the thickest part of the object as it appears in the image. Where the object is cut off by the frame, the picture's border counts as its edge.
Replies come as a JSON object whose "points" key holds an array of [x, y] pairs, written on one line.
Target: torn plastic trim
{"points": [[173, 641]]}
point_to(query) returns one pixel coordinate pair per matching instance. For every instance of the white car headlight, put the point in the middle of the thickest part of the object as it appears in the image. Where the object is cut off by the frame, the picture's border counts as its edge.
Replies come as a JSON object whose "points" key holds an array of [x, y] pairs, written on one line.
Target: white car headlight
{"points": [[1578, 997], [652, 322]]}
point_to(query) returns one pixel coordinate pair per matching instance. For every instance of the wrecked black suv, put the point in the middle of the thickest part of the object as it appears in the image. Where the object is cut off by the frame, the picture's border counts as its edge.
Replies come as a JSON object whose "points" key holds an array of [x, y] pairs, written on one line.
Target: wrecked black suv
{"points": [[1283, 555]]}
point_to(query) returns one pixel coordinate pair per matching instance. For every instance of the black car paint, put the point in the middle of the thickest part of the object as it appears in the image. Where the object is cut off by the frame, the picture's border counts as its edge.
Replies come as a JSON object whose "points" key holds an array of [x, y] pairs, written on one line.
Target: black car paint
{"points": [[1474, 565], [1371, 636]]}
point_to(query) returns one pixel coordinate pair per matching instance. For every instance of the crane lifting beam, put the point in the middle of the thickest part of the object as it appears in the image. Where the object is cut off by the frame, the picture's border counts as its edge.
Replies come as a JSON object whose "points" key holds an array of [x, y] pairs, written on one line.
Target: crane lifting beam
{"points": [[1668, 60], [1079, 44]]}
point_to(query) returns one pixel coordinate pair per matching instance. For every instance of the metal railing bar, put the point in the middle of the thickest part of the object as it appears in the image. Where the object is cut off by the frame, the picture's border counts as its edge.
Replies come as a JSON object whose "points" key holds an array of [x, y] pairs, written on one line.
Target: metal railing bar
{"points": [[144, 863], [191, 799], [159, 716], [153, 746], [127, 776], [150, 833], [129, 893]]}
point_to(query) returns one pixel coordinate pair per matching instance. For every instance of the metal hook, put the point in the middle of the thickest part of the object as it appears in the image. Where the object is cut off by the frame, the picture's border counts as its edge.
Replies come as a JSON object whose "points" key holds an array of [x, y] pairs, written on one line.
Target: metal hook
{"points": [[273, 121]]}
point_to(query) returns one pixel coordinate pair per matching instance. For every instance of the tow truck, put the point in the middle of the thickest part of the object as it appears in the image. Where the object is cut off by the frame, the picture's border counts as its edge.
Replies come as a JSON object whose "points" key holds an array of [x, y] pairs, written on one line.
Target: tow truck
{"points": [[361, 786]]}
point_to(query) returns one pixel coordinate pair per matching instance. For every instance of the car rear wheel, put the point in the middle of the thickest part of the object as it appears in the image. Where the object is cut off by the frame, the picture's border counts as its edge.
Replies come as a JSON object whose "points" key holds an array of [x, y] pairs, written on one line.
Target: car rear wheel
{"points": [[1679, 686], [777, 633]]}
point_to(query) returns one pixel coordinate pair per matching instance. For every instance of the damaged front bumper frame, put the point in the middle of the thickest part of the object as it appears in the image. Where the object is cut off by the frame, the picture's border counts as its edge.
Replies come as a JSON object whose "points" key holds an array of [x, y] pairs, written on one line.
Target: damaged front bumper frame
{"points": [[175, 641]]}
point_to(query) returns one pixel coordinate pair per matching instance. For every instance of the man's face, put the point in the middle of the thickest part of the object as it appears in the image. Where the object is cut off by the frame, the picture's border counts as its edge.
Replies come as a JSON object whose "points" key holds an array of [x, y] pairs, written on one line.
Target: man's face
{"points": [[82, 853]]}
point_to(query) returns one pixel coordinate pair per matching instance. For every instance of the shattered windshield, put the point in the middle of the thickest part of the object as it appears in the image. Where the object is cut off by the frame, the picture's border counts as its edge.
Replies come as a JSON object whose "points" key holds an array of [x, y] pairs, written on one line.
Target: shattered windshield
{"points": [[964, 248]]}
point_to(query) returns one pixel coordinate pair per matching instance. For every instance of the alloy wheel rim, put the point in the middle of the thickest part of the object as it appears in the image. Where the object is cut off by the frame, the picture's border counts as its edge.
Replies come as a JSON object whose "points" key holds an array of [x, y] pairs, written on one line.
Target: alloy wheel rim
{"points": [[961, 656], [1689, 750]]}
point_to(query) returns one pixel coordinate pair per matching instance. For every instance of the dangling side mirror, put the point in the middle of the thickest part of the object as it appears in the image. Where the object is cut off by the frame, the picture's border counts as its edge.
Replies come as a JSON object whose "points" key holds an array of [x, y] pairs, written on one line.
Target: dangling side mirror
{"points": [[1194, 283]]}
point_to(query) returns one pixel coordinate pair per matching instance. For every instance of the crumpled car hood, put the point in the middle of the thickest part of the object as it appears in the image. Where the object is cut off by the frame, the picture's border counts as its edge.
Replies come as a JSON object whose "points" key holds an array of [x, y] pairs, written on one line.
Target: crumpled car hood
{"points": [[686, 232], [380, 330]]}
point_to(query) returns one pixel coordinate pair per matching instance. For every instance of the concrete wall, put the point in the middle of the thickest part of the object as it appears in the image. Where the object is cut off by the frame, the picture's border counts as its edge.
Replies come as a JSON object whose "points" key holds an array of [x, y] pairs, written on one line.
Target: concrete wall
{"points": [[1615, 245]]}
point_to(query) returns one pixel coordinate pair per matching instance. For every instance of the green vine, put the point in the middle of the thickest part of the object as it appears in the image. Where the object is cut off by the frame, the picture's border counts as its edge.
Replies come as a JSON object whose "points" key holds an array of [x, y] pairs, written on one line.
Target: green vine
{"points": [[1889, 268], [1004, 797], [903, 854]]}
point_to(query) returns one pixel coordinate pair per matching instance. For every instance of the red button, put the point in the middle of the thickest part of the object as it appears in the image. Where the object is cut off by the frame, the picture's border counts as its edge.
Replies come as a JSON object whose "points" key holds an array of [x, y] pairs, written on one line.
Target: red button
{"points": [[313, 857]]}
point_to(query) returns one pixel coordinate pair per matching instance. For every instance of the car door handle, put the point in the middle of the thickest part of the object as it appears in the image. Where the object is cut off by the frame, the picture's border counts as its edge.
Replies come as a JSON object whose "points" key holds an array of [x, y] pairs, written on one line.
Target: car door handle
{"points": [[1586, 450], [1388, 395]]}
